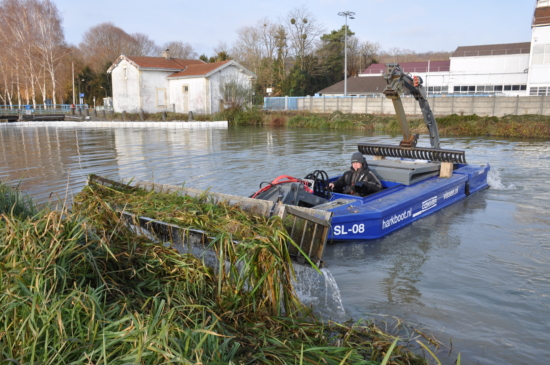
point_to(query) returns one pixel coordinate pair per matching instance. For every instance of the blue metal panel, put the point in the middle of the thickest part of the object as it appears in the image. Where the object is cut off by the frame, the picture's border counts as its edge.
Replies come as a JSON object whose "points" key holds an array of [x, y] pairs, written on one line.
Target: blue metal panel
{"points": [[477, 176], [398, 207]]}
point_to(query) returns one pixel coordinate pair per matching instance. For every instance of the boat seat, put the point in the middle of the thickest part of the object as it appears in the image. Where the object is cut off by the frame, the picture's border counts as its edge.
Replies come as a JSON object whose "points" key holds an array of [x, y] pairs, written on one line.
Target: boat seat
{"points": [[404, 171]]}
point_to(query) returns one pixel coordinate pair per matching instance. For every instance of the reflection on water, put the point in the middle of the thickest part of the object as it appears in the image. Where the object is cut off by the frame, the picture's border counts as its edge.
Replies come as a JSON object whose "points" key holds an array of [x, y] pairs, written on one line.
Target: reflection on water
{"points": [[476, 272]]}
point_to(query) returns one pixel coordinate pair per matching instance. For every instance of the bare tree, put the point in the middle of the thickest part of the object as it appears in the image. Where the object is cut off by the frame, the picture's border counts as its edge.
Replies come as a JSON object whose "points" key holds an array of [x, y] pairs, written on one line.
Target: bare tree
{"points": [[248, 47], [179, 49], [368, 52], [144, 45], [104, 43], [26, 32], [394, 53], [51, 43], [303, 32]]}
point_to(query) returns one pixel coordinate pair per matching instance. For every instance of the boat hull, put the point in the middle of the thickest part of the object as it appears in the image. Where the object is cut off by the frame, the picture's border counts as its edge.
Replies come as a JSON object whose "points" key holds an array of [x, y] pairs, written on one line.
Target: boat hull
{"points": [[382, 213]]}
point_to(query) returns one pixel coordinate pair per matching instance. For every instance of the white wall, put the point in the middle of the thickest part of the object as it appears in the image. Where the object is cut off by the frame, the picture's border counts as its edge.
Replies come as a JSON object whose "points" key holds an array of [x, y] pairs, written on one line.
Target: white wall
{"points": [[490, 70], [539, 73], [197, 95], [135, 90], [125, 78], [203, 93], [153, 87]]}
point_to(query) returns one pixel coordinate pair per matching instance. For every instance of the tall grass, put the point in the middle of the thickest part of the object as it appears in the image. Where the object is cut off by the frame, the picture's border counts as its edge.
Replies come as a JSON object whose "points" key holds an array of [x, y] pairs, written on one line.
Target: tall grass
{"points": [[79, 287], [15, 203]]}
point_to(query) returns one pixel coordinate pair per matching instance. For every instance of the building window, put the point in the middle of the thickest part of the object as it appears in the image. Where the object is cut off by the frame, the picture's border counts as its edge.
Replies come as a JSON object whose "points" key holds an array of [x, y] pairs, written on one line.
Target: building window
{"points": [[498, 88], [480, 89], [541, 54], [161, 97], [539, 91], [125, 73], [507, 87], [185, 88]]}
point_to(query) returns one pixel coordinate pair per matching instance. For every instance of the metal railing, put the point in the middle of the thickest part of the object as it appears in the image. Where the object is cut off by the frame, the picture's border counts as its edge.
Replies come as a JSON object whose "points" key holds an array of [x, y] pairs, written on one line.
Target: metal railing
{"points": [[494, 52], [409, 70], [47, 109]]}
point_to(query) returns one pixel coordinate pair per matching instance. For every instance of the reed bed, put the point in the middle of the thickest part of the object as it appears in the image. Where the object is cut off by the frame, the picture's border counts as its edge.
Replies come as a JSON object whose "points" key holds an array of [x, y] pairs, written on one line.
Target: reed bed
{"points": [[509, 126], [79, 287]]}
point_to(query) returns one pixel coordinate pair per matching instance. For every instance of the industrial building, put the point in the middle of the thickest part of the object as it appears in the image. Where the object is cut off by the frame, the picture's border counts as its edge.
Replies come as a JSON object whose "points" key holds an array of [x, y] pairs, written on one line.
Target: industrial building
{"points": [[512, 69]]}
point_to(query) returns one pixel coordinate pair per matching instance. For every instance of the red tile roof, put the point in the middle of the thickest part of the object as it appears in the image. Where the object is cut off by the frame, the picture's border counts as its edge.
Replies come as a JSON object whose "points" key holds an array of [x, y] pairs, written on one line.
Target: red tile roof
{"points": [[161, 62], [411, 67], [199, 69], [493, 50]]}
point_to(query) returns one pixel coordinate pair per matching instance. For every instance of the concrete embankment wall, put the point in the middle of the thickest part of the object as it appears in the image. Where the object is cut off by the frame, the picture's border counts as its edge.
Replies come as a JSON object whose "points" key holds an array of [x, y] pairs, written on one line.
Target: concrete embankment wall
{"points": [[441, 105]]}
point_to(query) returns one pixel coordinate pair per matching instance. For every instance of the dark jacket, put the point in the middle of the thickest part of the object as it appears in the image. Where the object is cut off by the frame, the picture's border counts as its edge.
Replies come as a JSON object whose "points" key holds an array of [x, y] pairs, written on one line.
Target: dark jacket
{"points": [[346, 183]]}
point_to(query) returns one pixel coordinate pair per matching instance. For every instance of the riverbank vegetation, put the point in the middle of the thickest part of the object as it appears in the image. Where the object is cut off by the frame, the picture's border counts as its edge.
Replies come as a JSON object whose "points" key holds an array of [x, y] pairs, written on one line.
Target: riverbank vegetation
{"points": [[516, 126], [509, 126], [79, 286]]}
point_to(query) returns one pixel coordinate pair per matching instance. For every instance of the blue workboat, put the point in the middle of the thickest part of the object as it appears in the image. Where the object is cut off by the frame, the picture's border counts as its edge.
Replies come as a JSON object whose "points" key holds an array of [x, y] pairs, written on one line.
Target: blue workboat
{"points": [[411, 190], [416, 181]]}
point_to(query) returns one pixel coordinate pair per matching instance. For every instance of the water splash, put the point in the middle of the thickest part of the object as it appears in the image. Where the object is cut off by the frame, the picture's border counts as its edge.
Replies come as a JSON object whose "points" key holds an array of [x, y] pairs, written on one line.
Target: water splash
{"points": [[320, 291], [495, 181]]}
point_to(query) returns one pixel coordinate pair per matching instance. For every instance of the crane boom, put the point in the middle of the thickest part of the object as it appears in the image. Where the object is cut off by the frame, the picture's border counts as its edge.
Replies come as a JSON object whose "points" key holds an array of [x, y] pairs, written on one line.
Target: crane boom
{"points": [[398, 82]]}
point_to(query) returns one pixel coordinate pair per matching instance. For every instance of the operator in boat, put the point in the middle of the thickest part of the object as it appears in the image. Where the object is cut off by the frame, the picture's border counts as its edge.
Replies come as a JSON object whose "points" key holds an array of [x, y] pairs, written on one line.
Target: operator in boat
{"points": [[358, 173]]}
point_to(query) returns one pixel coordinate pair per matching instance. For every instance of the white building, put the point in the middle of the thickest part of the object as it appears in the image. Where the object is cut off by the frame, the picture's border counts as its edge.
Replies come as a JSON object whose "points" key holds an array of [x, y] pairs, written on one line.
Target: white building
{"points": [[156, 84], [539, 64], [506, 69]]}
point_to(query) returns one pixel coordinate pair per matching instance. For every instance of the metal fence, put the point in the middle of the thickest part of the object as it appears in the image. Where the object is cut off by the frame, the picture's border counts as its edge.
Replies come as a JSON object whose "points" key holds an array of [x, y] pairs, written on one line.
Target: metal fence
{"points": [[47, 109]]}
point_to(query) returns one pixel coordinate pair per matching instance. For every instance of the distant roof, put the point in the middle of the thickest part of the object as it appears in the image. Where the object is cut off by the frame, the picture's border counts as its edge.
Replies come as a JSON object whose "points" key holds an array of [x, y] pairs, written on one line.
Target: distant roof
{"points": [[161, 62], [408, 67], [358, 85], [175, 64], [542, 16], [493, 50], [199, 69]]}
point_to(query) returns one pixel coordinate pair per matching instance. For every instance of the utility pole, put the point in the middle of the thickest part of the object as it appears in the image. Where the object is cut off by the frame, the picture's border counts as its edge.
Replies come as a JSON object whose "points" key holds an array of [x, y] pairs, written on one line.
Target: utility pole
{"points": [[346, 14], [73, 85]]}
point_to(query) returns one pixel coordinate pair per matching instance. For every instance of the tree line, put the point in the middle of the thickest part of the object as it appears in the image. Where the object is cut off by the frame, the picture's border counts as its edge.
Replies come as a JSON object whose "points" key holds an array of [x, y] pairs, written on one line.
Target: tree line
{"points": [[293, 56]]}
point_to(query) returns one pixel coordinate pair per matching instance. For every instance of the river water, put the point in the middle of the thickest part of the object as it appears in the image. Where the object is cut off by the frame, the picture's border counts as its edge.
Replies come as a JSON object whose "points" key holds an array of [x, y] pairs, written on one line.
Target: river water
{"points": [[475, 275]]}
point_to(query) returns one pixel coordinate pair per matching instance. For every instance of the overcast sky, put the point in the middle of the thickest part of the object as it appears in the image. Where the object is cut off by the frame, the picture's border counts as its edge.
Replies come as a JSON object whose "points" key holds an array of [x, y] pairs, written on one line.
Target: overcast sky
{"points": [[421, 25]]}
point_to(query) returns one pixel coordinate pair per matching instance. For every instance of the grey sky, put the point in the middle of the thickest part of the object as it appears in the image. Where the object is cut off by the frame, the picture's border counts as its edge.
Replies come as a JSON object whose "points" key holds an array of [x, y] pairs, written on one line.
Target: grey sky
{"points": [[421, 25]]}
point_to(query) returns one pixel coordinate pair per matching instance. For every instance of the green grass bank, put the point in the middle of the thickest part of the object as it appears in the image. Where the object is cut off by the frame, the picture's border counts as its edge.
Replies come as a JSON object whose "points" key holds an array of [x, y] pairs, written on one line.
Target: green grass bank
{"points": [[510, 126]]}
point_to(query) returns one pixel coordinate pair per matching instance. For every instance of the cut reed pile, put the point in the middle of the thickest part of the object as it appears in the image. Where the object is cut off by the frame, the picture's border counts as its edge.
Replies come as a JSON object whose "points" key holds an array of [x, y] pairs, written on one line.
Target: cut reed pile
{"points": [[78, 287]]}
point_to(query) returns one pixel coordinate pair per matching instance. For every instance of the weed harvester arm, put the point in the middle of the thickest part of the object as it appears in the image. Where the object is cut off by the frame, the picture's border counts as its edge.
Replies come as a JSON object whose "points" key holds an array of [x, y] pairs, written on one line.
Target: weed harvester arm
{"points": [[397, 83]]}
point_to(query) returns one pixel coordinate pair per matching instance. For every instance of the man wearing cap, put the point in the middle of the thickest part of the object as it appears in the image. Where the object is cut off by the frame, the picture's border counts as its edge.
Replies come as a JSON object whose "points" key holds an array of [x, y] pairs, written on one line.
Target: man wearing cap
{"points": [[359, 172]]}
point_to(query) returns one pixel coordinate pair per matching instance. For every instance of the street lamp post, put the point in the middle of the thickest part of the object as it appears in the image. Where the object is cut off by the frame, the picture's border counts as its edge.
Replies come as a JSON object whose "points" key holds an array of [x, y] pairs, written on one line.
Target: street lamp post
{"points": [[79, 94], [346, 14]]}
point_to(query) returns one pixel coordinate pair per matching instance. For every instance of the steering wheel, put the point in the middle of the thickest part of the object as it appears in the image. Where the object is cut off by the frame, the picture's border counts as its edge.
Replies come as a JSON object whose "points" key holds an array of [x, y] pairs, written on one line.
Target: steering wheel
{"points": [[320, 187]]}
